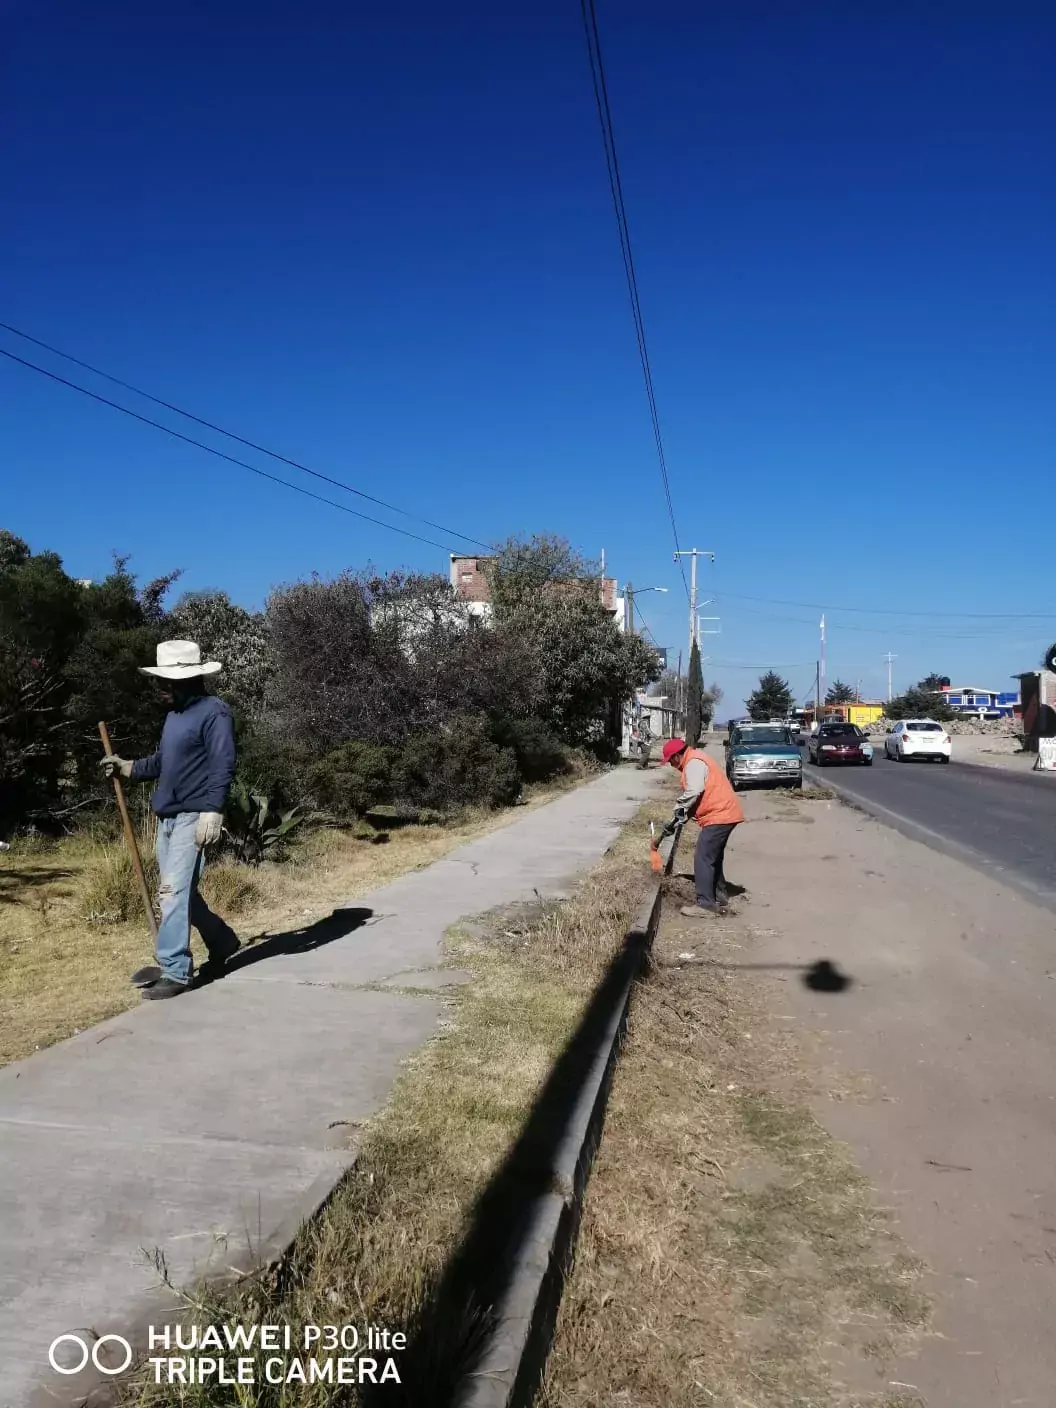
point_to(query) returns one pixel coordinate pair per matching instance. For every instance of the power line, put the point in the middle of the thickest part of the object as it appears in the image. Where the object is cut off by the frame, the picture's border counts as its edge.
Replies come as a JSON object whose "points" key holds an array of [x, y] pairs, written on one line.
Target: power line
{"points": [[230, 434], [897, 611], [601, 99], [645, 626], [882, 630], [220, 454], [769, 665]]}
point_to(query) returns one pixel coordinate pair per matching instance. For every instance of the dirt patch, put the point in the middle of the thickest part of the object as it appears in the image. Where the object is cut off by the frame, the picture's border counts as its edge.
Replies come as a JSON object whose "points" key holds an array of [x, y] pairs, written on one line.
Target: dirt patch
{"points": [[730, 1252]]}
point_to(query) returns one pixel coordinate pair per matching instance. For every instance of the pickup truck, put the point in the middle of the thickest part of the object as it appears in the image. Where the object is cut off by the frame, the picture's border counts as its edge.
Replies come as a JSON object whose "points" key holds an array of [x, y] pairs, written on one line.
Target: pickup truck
{"points": [[763, 755]]}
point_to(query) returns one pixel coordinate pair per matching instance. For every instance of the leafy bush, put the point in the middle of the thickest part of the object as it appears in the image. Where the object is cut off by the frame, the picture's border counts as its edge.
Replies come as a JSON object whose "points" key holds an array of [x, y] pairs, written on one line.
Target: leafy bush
{"points": [[256, 829], [461, 767], [111, 895], [352, 779], [267, 764], [540, 753]]}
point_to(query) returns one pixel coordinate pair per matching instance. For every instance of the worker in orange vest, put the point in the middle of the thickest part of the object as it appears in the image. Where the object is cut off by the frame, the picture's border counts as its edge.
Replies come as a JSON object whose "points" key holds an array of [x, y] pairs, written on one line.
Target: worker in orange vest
{"points": [[709, 799]]}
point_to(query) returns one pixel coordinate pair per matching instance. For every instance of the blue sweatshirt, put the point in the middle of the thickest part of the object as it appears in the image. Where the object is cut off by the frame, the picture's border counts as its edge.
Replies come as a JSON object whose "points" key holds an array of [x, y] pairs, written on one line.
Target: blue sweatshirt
{"points": [[195, 761]]}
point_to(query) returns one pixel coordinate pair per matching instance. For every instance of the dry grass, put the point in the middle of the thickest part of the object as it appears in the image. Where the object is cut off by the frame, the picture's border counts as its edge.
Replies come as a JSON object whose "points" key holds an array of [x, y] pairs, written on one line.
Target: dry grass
{"points": [[730, 1253], [110, 894], [377, 1251], [71, 929]]}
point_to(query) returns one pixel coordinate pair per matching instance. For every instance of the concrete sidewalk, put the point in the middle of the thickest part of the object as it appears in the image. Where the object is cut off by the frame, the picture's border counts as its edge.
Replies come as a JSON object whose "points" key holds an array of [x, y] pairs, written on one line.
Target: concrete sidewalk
{"points": [[211, 1125]]}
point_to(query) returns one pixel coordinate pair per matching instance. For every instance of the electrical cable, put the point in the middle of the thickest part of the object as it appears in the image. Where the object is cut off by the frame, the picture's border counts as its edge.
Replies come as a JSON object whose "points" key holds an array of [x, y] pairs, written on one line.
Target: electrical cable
{"points": [[731, 665], [896, 611], [220, 454], [601, 99], [240, 439], [645, 626], [896, 632]]}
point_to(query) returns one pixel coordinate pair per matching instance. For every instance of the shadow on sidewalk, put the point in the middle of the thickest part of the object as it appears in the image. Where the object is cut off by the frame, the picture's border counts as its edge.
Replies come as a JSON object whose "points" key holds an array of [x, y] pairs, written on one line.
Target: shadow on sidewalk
{"points": [[446, 1338], [336, 925], [822, 976]]}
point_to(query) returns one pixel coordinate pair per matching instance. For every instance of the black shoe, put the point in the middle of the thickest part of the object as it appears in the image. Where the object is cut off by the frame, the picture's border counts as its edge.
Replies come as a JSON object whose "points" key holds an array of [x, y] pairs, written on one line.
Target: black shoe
{"points": [[164, 987], [145, 977]]}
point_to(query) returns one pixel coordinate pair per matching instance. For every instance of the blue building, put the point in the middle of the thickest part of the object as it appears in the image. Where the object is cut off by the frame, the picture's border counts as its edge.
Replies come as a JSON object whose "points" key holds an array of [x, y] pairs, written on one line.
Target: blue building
{"points": [[982, 703]]}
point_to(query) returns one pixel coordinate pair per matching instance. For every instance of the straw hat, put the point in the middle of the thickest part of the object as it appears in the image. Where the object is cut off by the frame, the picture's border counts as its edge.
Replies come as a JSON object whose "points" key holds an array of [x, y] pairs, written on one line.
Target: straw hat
{"points": [[180, 660]]}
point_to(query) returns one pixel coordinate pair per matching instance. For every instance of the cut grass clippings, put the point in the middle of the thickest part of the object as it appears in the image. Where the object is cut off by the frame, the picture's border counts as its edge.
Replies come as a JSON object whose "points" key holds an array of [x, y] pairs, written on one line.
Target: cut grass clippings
{"points": [[730, 1253], [377, 1252], [72, 928]]}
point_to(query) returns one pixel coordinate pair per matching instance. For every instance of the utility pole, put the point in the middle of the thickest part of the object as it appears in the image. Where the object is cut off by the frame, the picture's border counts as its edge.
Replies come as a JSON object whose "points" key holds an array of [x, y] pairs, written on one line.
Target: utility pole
{"points": [[821, 661], [628, 609], [817, 692], [693, 554], [889, 657]]}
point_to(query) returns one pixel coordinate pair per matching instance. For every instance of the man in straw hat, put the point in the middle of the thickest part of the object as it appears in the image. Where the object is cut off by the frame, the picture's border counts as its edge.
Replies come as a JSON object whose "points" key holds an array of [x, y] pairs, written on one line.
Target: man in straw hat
{"points": [[193, 768]]}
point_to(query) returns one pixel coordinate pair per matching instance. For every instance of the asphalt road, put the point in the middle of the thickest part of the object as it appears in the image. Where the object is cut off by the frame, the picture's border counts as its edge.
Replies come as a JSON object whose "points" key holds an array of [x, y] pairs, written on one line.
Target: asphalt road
{"points": [[1003, 822]]}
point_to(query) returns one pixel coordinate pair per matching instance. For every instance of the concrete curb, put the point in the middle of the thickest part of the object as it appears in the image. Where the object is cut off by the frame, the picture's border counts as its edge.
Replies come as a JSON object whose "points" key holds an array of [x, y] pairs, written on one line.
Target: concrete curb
{"points": [[508, 1371]]}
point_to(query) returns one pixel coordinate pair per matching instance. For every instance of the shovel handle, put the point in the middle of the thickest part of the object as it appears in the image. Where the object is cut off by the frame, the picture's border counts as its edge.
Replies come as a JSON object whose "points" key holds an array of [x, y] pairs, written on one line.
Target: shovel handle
{"points": [[130, 838]]}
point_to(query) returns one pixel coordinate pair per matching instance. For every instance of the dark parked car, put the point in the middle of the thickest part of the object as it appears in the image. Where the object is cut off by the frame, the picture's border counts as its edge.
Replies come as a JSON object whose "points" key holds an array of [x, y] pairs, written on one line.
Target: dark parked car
{"points": [[838, 743]]}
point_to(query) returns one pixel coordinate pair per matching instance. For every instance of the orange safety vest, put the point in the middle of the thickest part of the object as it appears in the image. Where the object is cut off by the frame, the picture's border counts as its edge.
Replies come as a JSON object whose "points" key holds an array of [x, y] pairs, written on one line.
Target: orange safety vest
{"points": [[719, 805]]}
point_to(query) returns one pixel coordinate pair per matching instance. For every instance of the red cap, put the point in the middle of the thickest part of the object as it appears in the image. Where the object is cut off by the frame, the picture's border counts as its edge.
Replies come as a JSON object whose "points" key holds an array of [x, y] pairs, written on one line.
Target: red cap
{"points": [[672, 748]]}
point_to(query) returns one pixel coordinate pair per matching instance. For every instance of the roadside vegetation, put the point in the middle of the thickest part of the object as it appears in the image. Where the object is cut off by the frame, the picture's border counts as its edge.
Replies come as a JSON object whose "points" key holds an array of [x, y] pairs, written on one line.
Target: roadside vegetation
{"points": [[378, 721], [378, 1250]]}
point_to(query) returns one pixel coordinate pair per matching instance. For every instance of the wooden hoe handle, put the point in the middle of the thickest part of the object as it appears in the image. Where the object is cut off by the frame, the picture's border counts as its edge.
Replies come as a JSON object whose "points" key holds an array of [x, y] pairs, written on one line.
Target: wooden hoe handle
{"points": [[130, 838]]}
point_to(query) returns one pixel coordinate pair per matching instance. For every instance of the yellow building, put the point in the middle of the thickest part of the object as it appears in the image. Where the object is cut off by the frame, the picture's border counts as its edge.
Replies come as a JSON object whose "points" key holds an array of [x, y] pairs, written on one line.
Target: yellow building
{"points": [[861, 714]]}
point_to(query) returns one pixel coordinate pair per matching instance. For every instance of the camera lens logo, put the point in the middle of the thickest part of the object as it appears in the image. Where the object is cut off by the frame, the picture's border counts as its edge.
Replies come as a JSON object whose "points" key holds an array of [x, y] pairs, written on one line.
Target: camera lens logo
{"points": [[94, 1352]]}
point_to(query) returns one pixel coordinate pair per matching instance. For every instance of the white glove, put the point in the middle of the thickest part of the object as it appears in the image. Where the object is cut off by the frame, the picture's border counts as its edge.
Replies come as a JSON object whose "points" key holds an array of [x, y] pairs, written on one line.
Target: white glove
{"points": [[112, 763], [207, 832]]}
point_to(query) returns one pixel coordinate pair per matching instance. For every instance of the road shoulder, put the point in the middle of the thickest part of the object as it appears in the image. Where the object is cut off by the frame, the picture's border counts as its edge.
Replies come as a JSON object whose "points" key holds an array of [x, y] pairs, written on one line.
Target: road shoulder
{"points": [[946, 1032]]}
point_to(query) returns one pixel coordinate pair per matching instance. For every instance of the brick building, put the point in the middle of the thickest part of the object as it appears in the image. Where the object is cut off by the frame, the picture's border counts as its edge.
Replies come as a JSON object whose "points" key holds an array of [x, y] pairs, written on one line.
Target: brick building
{"points": [[470, 581]]}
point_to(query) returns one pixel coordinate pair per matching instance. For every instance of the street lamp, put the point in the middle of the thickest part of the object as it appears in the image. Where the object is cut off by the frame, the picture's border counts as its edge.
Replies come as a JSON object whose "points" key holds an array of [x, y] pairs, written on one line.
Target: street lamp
{"points": [[629, 593]]}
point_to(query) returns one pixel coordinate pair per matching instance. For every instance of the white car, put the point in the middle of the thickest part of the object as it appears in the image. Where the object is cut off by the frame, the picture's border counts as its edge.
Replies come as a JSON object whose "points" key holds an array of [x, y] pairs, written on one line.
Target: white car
{"points": [[918, 738]]}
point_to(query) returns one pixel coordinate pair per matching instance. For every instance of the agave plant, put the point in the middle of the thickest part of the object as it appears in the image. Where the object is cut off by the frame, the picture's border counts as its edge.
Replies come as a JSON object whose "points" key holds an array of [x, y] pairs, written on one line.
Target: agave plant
{"points": [[255, 828]]}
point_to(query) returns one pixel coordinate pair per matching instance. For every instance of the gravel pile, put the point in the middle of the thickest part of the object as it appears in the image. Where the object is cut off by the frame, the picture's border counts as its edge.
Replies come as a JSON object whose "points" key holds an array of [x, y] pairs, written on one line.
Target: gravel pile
{"points": [[1010, 729], [995, 728]]}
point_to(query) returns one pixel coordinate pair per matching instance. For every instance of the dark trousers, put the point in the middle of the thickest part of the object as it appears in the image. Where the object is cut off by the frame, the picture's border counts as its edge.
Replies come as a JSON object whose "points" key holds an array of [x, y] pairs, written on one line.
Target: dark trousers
{"points": [[707, 864]]}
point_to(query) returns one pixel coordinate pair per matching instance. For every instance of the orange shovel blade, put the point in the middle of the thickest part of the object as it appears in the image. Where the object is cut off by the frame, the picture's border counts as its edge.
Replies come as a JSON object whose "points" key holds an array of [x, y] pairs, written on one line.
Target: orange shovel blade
{"points": [[655, 859]]}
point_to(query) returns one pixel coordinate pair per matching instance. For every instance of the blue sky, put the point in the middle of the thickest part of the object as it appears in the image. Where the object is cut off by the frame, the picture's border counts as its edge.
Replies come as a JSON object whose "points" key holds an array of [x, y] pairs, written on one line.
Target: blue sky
{"points": [[379, 239]]}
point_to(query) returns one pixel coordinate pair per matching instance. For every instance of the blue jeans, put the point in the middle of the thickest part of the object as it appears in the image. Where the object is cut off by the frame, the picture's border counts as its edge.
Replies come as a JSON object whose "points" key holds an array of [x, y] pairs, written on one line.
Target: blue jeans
{"points": [[180, 863]]}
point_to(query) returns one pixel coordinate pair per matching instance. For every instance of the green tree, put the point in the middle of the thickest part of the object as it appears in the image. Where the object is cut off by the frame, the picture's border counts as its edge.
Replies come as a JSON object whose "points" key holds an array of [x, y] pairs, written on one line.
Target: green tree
{"points": [[41, 620], [772, 699], [578, 667], [925, 700], [521, 569], [694, 698], [840, 693], [121, 630], [234, 636]]}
